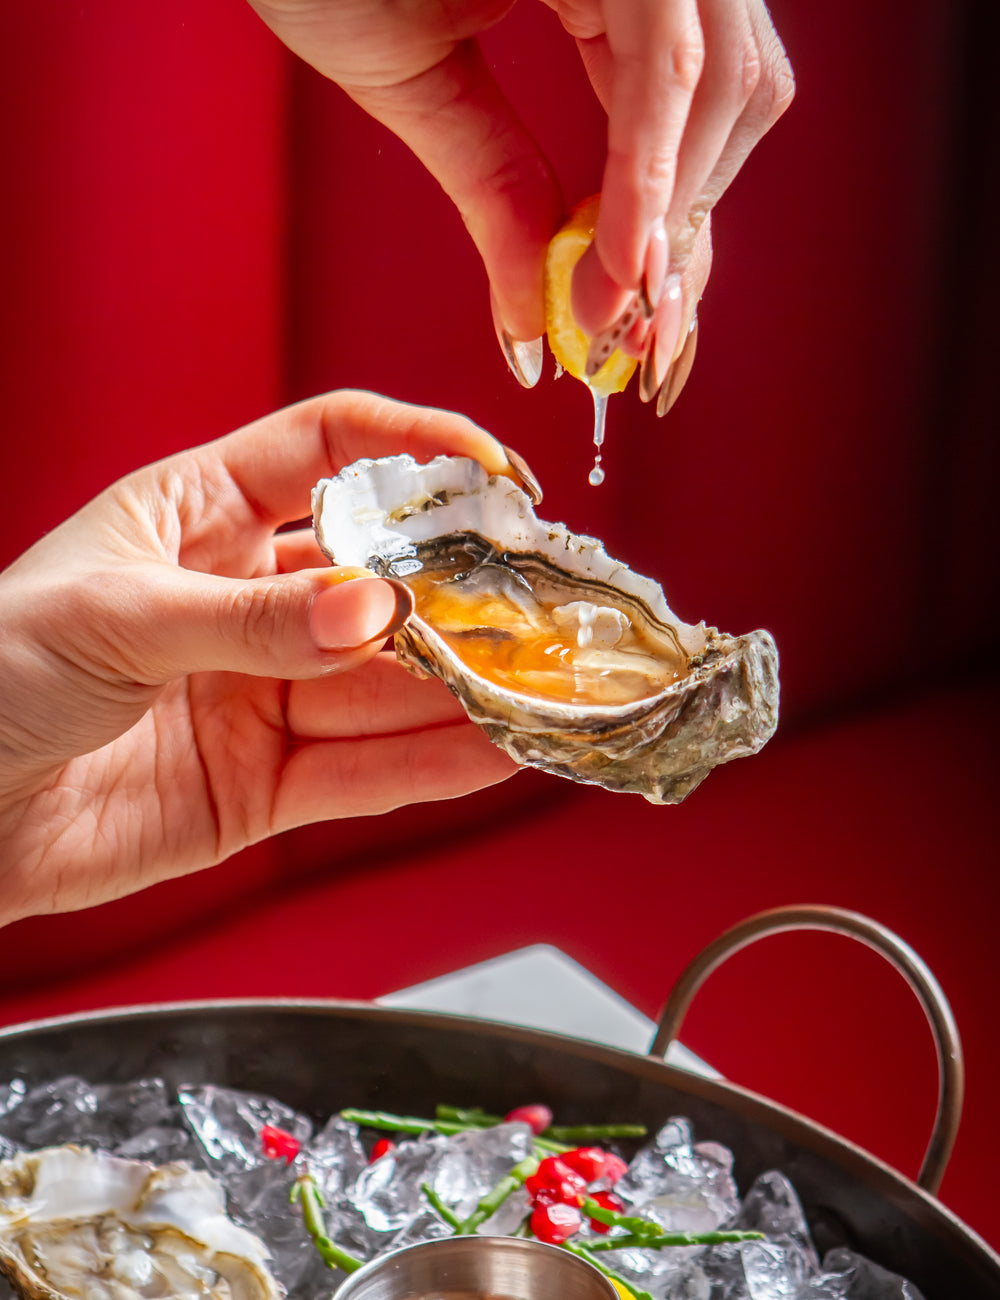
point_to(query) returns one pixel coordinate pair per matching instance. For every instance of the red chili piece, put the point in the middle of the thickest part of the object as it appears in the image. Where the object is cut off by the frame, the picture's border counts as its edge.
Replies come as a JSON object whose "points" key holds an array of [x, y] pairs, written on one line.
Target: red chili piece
{"points": [[607, 1201], [555, 1182], [555, 1223], [588, 1162], [381, 1147], [537, 1117], [595, 1164], [614, 1167], [278, 1144]]}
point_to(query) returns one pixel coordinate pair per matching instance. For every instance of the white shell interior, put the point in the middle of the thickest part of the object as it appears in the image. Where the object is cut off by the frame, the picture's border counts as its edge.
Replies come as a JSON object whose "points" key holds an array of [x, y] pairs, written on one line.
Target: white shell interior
{"points": [[382, 508], [75, 1183], [83, 1205]]}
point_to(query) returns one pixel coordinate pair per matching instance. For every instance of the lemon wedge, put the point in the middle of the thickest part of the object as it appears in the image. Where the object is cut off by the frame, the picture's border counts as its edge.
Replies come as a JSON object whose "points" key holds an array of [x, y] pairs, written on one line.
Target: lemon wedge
{"points": [[568, 342], [620, 1287]]}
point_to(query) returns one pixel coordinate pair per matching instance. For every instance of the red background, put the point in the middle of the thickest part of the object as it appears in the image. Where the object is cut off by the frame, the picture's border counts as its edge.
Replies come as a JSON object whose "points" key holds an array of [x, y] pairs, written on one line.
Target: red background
{"points": [[197, 229]]}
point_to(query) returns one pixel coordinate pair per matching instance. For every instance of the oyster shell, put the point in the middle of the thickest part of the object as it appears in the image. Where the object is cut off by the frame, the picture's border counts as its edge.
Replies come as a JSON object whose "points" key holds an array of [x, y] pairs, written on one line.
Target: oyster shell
{"points": [[75, 1222], [566, 658]]}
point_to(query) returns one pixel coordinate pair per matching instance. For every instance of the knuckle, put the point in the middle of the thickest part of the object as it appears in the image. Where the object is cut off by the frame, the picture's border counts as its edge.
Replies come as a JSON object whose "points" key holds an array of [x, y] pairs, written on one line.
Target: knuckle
{"points": [[517, 179], [686, 60], [260, 614], [658, 175], [749, 71], [777, 78]]}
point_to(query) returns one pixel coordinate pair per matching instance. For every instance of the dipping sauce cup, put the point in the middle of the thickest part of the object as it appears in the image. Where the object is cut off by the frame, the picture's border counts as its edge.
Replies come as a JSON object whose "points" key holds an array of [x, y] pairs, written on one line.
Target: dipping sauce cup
{"points": [[478, 1268]]}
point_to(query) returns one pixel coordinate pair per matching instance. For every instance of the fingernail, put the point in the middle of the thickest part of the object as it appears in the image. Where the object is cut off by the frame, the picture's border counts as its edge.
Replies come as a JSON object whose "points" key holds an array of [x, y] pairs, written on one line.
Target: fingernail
{"points": [[603, 344], [353, 614], [657, 259], [648, 387], [524, 357], [634, 342], [524, 475], [666, 333], [677, 375]]}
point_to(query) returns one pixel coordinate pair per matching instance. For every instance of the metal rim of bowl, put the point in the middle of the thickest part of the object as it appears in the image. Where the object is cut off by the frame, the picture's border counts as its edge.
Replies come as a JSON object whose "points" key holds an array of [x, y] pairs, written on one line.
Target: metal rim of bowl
{"points": [[358, 1283]]}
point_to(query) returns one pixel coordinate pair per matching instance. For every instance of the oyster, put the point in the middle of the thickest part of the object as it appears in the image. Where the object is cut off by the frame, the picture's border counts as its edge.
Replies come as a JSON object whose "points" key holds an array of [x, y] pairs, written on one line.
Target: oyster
{"points": [[566, 658], [75, 1222]]}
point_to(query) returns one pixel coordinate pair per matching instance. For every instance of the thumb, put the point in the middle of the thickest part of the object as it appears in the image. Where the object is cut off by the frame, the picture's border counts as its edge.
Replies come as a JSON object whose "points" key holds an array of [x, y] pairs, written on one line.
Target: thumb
{"points": [[295, 625]]}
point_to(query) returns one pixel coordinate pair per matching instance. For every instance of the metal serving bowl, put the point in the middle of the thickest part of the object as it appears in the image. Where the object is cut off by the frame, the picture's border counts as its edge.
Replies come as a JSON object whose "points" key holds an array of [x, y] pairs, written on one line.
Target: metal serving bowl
{"points": [[321, 1056]]}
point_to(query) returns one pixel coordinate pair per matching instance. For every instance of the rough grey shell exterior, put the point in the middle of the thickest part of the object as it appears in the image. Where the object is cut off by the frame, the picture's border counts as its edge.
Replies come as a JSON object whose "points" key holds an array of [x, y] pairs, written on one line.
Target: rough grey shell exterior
{"points": [[374, 514]]}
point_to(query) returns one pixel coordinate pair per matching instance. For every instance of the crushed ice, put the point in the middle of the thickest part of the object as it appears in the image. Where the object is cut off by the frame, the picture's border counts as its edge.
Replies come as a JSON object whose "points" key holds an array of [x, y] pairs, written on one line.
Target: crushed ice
{"points": [[684, 1184]]}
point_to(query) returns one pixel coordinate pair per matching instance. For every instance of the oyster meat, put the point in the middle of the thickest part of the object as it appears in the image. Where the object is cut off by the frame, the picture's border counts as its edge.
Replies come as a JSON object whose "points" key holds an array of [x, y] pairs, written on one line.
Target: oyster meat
{"points": [[75, 1222], [566, 658]]}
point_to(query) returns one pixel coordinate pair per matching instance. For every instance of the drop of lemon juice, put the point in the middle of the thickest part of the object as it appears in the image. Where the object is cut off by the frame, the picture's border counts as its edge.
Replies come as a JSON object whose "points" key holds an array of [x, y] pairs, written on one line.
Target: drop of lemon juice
{"points": [[596, 477]]}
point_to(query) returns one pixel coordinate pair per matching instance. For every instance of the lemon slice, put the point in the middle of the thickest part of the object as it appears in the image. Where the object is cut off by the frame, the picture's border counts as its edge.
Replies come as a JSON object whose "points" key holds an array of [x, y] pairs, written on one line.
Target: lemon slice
{"points": [[620, 1287], [568, 342]]}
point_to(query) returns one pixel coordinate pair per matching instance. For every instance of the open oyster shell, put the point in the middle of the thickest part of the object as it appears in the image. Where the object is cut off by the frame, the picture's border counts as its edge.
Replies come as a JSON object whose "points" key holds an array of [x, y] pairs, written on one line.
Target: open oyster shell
{"points": [[75, 1222], [566, 658]]}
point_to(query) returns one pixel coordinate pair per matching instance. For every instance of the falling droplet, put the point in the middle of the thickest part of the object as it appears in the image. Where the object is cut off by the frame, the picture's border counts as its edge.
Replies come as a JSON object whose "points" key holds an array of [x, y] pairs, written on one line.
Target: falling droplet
{"points": [[600, 411]]}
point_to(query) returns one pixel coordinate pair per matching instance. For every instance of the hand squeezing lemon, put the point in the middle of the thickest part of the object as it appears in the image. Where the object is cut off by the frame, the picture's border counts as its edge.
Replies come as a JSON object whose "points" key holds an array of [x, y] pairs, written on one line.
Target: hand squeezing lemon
{"points": [[568, 342]]}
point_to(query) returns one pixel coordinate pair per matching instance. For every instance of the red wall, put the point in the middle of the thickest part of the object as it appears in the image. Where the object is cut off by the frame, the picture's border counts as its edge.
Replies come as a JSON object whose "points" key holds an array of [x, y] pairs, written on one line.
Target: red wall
{"points": [[196, 229]]}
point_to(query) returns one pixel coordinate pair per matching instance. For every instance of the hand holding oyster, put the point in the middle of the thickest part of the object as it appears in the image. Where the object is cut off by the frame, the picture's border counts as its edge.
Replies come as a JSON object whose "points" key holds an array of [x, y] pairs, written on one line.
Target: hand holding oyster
{"points": [[567, 659]]}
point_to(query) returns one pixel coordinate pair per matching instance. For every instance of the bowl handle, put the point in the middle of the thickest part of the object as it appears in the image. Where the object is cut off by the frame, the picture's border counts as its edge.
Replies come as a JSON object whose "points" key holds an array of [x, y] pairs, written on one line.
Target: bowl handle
{"points": [[951, 1070]]}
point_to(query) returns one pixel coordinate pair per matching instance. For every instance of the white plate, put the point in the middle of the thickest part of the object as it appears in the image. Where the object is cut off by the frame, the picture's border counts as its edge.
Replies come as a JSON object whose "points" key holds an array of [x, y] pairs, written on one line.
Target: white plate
{"points": [[539, 987]]}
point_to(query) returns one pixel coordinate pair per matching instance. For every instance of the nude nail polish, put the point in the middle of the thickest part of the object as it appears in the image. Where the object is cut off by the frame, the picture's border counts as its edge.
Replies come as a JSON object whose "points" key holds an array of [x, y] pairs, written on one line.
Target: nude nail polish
{"points": [[524, 474], [677, 375], [524, 357], [603, 344], [668, 326], [657, 260]]}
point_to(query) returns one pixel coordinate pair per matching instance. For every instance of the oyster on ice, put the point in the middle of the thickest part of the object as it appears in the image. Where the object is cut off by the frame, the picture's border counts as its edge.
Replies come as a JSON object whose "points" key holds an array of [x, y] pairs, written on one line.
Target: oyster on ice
{"points": [[76, 1222], [566, 658]]}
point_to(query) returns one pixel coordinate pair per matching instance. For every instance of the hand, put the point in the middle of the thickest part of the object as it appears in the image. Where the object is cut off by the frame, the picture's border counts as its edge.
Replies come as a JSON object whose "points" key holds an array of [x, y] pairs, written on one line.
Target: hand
{"points": [[175, 670], [689, 86]]}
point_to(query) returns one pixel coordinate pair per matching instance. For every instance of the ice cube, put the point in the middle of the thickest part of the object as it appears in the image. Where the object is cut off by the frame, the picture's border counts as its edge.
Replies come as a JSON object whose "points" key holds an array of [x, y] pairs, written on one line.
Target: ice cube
{"points": [[683, 1185], [471, 1163], [388, 1191], [11, 1095], [228, 1123], [774, 1271], [335, 1158], [70, 1109], [772, 1206], [867, 1280]]}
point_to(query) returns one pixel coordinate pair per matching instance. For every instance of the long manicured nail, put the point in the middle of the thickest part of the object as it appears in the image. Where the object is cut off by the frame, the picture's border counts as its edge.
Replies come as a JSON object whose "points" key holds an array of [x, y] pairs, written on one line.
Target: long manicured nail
{"points": [[603, 344], [677, 375], [524, 357], [666, 335], [657, 260], [524, 475], [352, 614]]}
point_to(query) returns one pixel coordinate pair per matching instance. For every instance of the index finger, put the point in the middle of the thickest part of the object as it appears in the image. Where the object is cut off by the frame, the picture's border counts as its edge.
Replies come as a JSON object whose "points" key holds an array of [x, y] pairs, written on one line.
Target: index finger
{"points": [[276, 461], [645, 69]]}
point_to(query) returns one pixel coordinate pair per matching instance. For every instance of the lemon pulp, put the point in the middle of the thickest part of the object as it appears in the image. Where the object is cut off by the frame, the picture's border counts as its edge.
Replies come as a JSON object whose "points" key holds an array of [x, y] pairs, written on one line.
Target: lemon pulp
{"points": [[567, 340]]}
